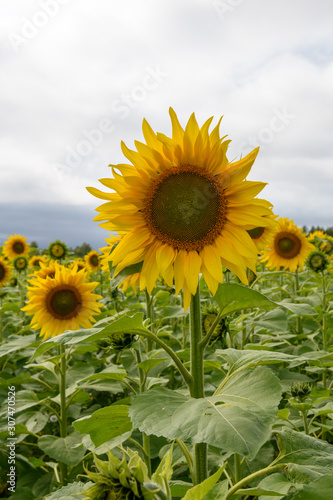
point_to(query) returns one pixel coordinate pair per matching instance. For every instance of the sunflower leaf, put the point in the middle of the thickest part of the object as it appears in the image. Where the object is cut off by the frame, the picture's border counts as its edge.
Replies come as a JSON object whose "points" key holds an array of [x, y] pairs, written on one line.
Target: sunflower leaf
{"points": [[232, 297], [239, 418]]}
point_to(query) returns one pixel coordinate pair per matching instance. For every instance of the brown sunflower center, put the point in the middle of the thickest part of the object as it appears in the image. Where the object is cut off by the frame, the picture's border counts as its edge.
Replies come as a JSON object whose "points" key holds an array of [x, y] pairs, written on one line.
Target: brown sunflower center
{"points": [[18, 247], [57, 250], [256, 232], [287, 245], [186, 208], [2, 272], [20, 263], [94, 260], [63, 302]]}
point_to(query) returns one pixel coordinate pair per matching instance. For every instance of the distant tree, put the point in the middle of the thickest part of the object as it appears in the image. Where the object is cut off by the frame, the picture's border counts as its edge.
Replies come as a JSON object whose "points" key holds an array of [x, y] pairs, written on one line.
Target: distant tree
{"points": [[81, 251], [305, 229], [329, 231], [34, 248]]}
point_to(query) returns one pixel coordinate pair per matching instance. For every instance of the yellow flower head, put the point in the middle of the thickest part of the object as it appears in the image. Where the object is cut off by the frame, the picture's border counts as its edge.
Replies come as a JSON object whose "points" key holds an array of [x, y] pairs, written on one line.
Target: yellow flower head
{"points": [[36, 261], [184, 208], [93, 260], [16, 246], [288, 247], [261, 235], [65, 302], [5, 271], [57, 250]]}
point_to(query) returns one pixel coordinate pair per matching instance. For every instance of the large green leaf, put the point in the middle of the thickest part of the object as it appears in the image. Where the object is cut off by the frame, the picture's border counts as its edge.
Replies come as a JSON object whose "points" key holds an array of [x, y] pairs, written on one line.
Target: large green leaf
{"points": [[113, 372], [122, 323], [307, 457], [73, 491], [241, 359], [238, 419], [16, 343], [232, 297], [105, 424], [68, 450], [320, 489]]}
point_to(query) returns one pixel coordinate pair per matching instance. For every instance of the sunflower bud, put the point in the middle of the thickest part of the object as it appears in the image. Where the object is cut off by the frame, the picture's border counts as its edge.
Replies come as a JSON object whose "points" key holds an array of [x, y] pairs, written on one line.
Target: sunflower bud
{"points": [[125, 479], [300, 390]]}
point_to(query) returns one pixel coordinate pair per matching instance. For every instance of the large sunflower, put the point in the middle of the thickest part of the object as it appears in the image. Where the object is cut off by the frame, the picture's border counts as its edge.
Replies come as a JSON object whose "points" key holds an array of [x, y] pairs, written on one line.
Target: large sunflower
{"points": [[15, 246], [184, 208], [288, 247], [5, 271], [62, 303]]}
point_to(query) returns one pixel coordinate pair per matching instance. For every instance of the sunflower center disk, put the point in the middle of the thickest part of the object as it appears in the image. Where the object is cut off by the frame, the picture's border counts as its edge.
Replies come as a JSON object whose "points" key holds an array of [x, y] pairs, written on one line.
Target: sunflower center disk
{"points": [[94, 260], [316, 261], [186, 208], [2, 272], [63, 302], [288, 246], [18, 247], [57, 250]]}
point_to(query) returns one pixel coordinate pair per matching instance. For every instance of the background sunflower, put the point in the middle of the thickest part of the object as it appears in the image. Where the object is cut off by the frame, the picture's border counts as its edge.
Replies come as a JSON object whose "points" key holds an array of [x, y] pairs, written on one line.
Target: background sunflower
{"points": [[288, 247], [15, 245], [62, 303], [5, 271]]}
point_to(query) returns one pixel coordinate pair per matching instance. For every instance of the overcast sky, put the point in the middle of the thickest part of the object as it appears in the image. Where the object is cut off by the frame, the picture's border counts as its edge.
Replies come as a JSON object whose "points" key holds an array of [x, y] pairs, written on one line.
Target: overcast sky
{"points": [[78, 76]]}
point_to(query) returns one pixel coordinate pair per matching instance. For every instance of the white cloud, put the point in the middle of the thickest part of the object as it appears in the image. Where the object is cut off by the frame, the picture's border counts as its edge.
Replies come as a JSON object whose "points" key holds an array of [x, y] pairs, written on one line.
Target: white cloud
{"points": [[90, 62]]}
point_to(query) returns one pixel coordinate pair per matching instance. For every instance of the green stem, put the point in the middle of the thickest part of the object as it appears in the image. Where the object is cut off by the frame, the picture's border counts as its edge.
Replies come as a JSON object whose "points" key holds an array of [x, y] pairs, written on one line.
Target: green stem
{"points": [[0, 320], [145, 438], [197, 383], [238, 467], [150, 316], [63, 408], [281, 285], [305, 422], [249, 478], [186, 454], [299, 318]]}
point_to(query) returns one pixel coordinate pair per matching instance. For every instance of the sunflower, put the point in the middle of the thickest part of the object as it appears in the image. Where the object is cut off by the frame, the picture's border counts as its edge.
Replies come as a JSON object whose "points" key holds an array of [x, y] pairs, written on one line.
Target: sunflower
{"points": [[15, 245], [36, 261], [5, 271], [184, 208], [326, 246], [261, 235], [93, 260], [20, 263], [317, 261], [316, 234], [57, 250], [129, 281], [288, 247], [78, 264], [46, 271], [62, 303]]}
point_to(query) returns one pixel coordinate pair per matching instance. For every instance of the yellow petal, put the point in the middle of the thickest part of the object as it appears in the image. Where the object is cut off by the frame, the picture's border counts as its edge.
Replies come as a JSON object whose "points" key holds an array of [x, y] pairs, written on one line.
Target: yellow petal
{"points": [[192, 270]]}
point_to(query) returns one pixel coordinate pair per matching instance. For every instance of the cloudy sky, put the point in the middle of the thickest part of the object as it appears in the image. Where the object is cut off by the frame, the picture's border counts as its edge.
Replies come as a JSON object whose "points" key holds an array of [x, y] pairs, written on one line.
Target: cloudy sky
{"points": [[79, 76]]}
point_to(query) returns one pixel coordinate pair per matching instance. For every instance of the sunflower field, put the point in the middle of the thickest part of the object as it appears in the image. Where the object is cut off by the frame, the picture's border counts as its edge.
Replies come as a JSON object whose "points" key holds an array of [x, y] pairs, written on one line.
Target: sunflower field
{"points": [[189, 358]]}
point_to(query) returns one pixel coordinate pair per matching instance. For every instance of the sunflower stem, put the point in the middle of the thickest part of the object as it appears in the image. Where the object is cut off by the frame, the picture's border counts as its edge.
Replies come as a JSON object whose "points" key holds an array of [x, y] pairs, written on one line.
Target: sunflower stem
{"points": [[299, 318], [145, 438], [150, 316], [197, 383], [63, 407], [0, 320]]}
